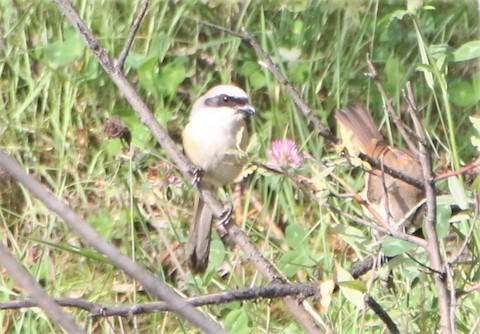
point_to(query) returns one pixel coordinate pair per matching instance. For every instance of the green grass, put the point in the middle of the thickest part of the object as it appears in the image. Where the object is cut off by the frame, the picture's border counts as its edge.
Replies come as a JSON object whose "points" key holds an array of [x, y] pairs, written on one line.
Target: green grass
{"points": [[55, 97]]}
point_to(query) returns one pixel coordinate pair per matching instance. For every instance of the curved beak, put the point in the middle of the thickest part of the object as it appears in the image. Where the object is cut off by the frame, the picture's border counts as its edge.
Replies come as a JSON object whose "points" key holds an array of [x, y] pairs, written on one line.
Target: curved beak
{"points": [[246, 108]]}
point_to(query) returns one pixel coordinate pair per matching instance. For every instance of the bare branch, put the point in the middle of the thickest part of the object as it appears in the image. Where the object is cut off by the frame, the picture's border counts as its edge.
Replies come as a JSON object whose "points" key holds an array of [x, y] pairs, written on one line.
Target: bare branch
{"points": [[371, 262], [474, 165], [297, 290], [437, 263], [372, 303], [40, 297], [133, 31]]}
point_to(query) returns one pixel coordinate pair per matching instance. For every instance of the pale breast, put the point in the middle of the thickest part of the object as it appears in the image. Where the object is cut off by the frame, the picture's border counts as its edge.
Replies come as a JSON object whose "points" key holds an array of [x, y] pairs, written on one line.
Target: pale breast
{"points": [[215, 148]]}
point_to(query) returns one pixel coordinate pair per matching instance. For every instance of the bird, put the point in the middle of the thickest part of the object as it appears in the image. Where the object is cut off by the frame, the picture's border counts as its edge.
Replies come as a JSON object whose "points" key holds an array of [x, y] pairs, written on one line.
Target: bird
{"points": [[392, 198], [214, 140]]}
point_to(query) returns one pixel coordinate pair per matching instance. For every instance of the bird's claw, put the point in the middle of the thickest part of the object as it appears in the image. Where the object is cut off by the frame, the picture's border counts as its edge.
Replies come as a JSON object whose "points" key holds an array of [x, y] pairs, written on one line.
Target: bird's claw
{"points": [[224, 219], [197, 175]]}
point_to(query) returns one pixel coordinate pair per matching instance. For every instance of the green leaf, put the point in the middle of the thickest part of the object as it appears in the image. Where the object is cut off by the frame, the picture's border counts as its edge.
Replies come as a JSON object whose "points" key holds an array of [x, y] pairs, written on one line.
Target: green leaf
{"points": [[289, 54], [295, 236], [424, 56], [141, 136], [351, 235], [147, 73], [247, 68], [42, 270], [237, 322], [61, 53], [393, 246], [467, 51], [217, 253], [102, 222], [354, 285], [475, 142], [353, 290], [257, 80], [444, 213], [398, 14], [463, 94], [394, 71], [136, 60], [476, 184], [113, 146], [293, 260], [170, 77], [82, 251], [254, 146], [457, 190], [299, 72]]}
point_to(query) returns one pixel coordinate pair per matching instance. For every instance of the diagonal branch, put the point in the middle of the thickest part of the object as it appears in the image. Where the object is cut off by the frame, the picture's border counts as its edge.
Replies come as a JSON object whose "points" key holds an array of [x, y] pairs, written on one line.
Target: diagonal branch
{"points": [[40, 297]]}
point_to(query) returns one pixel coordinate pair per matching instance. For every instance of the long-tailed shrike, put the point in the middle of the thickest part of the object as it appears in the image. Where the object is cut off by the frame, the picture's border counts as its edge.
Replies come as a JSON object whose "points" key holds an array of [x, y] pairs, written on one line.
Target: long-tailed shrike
{"points": [[214, 138]]}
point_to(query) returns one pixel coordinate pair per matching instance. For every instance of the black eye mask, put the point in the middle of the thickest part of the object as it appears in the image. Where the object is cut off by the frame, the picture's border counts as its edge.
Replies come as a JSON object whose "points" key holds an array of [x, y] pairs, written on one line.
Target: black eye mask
{"points": [[226, 101]]}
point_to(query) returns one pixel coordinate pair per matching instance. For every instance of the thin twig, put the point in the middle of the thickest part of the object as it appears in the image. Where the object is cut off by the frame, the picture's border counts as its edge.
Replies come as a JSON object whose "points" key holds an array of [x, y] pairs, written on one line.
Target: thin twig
{"points": [[366, 204], [272, 291], [466, 292], [131, 35], [423, 265], [294, 290], [475, 164], [391, 326]]}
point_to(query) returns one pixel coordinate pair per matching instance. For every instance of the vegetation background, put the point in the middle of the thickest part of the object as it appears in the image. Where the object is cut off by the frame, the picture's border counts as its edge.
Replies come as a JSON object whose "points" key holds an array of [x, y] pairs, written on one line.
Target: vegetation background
{"points": [[55, 98]]}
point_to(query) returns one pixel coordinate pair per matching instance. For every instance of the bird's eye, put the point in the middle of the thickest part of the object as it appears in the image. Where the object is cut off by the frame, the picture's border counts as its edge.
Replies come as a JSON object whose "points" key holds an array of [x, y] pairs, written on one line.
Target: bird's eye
{"points": [[225, 98]]}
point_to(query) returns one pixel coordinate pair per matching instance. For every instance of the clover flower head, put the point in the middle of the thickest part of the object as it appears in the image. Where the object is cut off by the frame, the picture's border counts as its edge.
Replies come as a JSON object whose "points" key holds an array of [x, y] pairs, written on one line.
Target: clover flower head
{"points": [[284, 154]]}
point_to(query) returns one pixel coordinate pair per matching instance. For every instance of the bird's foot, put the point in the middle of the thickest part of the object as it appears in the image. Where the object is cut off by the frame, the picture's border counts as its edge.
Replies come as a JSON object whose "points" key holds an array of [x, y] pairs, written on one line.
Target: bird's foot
{"points": [[224, 219], [197, 173]]}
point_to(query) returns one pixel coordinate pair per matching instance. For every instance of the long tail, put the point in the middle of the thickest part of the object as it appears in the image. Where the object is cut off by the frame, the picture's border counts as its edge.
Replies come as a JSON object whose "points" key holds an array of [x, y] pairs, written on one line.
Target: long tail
{"points": [[198, 246], [359, 124]]}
